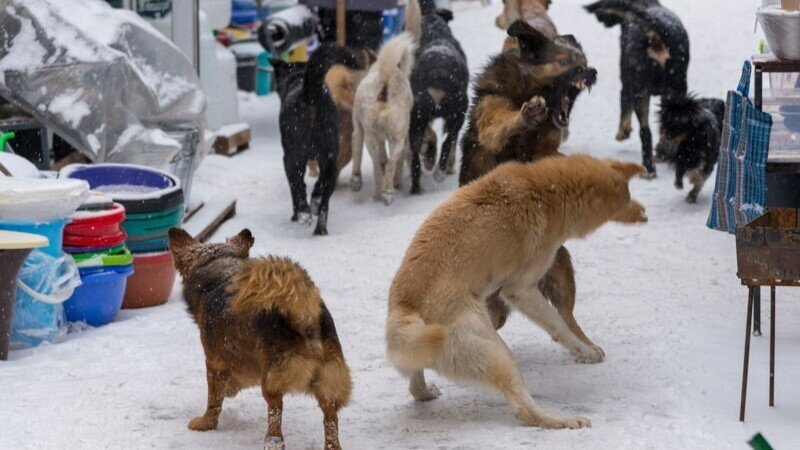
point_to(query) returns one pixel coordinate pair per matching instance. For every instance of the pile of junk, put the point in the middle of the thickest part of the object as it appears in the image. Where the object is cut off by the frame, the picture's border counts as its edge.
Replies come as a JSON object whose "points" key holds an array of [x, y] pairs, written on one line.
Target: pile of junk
{"points": [[103, 123]]}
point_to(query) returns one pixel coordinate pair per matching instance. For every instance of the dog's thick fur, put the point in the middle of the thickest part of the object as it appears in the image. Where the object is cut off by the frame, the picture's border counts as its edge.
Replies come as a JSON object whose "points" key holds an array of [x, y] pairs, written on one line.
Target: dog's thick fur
{"points": [[532, 11], [262, 324], [309, 125], [691, 131], [654, 61], [499, 233], [382, 115], [439, 80]]}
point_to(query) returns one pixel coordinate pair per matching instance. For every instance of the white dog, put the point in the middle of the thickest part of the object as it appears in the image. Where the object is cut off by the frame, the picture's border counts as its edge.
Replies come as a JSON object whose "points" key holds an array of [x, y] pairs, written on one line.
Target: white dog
{"points": [[382, 113]]}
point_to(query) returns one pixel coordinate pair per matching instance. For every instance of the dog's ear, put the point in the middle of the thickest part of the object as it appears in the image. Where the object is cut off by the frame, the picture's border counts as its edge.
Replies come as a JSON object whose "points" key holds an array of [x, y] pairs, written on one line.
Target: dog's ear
{"points": [[179, 239], [626, 169], [571, 40], [531, 40], [242, 242], [445, 14]]}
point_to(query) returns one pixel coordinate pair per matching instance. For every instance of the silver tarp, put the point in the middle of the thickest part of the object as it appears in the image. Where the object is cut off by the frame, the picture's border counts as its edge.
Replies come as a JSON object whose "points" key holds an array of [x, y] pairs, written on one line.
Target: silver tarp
{"points": [[102, 78]]}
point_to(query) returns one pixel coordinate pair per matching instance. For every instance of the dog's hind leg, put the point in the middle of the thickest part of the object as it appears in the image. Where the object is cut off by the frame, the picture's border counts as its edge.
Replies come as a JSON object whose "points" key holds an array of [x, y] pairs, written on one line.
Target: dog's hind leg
{"points": [[536, 307], [558, 286], [295, 171], [474, 351], [642, 108], [626, 114], [396, 149], [420, 121], [419, 389], [429, 147], [452, 127], [274, 438], [357, 142], [698, 178], [328, 141], [217, 379], [332, 390]]}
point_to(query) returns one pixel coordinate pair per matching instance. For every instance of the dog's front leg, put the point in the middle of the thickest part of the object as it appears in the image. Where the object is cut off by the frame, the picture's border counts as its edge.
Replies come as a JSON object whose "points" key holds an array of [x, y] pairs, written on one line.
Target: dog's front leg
{"points": [[497, 120], [217, 382], [274, 438]]}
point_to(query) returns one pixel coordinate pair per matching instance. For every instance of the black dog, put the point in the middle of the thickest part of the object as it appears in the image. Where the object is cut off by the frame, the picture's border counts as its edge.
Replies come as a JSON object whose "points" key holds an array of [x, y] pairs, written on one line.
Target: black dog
{"points": [[439, 81], [655, 59], [690, 137], [309, 128]]}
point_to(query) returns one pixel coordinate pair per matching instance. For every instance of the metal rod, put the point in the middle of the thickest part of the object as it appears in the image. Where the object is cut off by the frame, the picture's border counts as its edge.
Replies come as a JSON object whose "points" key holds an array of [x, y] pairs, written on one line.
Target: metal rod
{"points": [[757, 312], [341, 22], [759, 83], [772, 347], [749, 323]]}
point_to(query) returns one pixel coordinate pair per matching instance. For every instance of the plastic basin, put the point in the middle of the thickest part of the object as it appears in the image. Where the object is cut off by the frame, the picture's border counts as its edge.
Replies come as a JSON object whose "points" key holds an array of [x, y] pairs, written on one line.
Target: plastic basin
{"points": [[152, 280], [112, 240], [96, 223], [150, 226], [102, 260], [157, 244], [98, 300], [53, 231]]}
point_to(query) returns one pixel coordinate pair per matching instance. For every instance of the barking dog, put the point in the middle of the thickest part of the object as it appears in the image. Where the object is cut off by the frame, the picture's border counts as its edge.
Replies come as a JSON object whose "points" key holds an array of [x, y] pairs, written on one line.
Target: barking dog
{"points": [[655, 59], [262, 323], [382, 113], [439, 81], [309, 127], [691, 130], [507, 227]]}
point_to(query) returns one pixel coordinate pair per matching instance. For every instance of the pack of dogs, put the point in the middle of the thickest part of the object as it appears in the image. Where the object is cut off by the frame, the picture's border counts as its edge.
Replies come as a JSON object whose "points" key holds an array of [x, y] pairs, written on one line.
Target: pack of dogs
{"points": [[496, 245]]}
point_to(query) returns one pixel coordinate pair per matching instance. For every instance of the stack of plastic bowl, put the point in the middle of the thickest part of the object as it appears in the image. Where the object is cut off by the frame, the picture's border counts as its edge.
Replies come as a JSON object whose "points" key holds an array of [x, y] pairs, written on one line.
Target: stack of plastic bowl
{"points": [[154, 203], [95, 239]]}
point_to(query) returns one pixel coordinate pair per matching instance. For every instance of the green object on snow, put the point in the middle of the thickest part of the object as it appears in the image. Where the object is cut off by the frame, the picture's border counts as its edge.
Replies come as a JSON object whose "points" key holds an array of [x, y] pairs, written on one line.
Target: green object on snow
{"points": [[759, 443], [4, 138]]}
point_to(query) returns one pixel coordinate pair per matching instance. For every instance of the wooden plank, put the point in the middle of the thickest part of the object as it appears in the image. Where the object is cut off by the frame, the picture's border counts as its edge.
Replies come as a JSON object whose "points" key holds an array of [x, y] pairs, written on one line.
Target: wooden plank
{"points": [[341, 22], [205, 221], [231, 143]]}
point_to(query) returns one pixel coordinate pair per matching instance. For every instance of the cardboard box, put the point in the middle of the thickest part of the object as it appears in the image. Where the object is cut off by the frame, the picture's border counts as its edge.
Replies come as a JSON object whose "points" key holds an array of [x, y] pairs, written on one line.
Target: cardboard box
{"points": [[790, 5]]}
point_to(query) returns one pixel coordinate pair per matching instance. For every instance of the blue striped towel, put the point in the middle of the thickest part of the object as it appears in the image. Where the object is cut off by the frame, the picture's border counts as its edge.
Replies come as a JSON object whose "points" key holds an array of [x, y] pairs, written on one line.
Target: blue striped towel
{"points": [[741, 172]]}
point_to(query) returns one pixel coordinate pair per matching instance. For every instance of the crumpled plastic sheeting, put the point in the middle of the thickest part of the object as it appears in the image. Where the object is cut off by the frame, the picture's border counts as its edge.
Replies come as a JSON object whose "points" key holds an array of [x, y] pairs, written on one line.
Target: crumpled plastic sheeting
{"points": [[782, 29], [103, 79]]}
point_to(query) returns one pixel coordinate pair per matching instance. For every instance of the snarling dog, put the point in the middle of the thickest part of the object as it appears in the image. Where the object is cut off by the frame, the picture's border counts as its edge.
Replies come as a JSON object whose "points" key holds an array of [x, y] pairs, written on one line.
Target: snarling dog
{"points": [[501, 232], [439, 80], [262, 324], [382, 115], [654, 61], [309, 125], [532, 11], [691, 131]]}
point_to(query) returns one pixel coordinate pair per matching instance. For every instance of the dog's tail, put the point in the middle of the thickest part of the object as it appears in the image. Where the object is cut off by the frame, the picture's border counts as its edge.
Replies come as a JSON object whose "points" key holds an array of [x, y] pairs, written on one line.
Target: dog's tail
{"points": [[325, 57], [615, 12], [411, 343], [414, 20], [395, 56], [275, 283]]}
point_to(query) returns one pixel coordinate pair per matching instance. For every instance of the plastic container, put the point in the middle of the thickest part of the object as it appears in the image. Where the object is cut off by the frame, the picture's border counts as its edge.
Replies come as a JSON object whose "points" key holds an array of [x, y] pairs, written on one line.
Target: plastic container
{"points": [[156, 244], [40, 200], [218, 12], [265, 74], [782, 29], [97, 223], [98, 300], [53, 231], [101, 260], [108, 241], [137, 188], [152, 281], [155, 227]]}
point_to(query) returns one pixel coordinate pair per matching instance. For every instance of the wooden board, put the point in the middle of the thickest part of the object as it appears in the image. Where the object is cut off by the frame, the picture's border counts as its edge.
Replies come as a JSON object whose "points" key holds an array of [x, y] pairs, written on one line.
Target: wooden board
{"points": [[202, 223], [232, 139]]}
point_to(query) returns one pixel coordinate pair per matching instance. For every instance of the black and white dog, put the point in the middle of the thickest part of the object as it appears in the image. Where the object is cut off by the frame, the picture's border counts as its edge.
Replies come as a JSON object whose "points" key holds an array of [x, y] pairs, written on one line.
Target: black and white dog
{"points": [[655, 59], [309, 125], [691, 130], [439, 82]]}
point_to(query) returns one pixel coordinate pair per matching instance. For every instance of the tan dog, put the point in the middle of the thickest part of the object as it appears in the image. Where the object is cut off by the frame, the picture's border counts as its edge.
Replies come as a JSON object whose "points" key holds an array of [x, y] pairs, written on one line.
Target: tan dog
{"points": [[532, 11], [500, 232]]}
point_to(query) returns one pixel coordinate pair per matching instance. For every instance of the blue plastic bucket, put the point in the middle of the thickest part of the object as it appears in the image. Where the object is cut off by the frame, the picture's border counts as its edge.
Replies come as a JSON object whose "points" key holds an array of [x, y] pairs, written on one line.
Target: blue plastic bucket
{"points": [[98, 300], [54, 231]]}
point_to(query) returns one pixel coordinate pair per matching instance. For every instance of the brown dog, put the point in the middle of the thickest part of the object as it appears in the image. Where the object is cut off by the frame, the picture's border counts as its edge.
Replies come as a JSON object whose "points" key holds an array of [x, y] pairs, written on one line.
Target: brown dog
{"points": [[262, 323], [499, 233], [532, 11]]}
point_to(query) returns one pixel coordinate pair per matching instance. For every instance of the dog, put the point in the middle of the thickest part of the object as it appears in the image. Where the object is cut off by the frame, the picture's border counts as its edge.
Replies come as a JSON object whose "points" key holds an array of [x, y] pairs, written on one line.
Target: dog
{"points": [[439, 80], [532, 11], [382, 114], [520, 112], [654, 61], [691, 131], [262, 324], [309, 127], [500, 232]]}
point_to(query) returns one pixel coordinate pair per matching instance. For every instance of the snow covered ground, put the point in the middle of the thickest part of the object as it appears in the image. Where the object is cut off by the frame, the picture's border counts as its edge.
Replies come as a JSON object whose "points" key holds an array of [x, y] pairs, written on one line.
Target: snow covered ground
{"points": [[661, 299]]}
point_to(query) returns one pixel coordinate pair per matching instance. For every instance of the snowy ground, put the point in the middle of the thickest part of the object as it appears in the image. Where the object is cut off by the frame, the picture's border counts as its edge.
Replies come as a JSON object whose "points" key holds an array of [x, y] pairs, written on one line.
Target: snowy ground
{"points": [[662, 299]]}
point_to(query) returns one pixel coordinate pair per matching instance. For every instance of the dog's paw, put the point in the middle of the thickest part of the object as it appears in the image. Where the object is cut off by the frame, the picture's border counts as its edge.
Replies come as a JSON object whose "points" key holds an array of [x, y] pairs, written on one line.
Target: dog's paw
{"points": [[202, 423], [356, 182], [650, 174], [388, 197], [431, 392], [534, 111], [679, 185], [274, 443], [623, 134], [691, 198], [438, 175], [305, 219], [590, 354], [574, 423]]}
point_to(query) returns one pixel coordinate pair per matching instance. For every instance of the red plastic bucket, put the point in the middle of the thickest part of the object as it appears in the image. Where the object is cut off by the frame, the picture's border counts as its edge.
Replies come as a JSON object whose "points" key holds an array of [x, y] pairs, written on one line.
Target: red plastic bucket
{"points": [[107, 241], [97, 223]]}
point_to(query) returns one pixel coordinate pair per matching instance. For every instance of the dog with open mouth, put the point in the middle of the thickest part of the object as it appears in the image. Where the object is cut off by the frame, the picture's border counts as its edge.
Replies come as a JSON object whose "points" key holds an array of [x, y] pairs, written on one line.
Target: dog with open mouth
{"points": [[523, 100]]}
